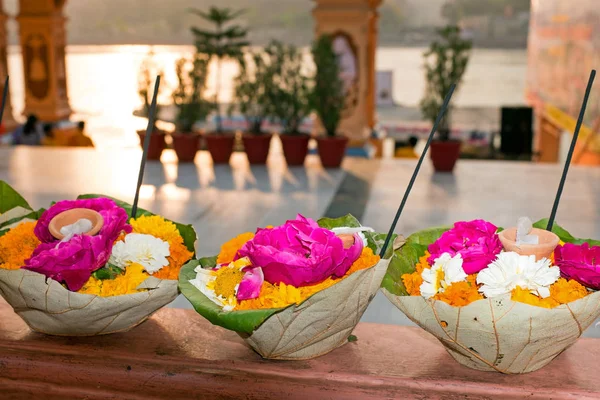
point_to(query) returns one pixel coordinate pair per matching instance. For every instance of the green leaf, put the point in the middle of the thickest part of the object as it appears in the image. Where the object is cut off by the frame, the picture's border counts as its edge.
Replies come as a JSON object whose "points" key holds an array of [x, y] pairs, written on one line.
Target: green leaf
{"points": [[563, 234], [32, 215], [10, 198], [109, 271], [427, 236], [187, 231], [246, 321], [345, 221], [403, 262]]}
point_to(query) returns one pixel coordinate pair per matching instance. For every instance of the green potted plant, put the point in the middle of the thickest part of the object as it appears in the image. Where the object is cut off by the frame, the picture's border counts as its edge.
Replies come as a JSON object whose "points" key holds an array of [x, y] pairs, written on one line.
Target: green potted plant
{"points": [[224, 41], [147, 75], [288, 99], [188, 97], [327, 100], [250, 95], [445, 63]]}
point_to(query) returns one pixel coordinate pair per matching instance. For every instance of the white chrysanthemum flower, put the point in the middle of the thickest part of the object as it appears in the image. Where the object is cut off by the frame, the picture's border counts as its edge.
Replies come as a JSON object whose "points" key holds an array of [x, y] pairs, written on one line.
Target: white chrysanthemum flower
{"points": [[511, 270], [445, 271], [146, 250], [204, 282]]}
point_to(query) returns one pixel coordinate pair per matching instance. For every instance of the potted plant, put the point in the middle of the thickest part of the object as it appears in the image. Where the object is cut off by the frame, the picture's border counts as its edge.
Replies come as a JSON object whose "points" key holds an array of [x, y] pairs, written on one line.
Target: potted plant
{"points": [[250, 93], [148, 72], [445, 64], [224, 41], [191, 105], [327, 99], [288, 99]]}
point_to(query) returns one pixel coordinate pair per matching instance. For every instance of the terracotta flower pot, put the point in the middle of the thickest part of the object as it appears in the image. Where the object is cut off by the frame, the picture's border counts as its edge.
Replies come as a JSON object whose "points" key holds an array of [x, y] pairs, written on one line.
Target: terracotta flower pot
{"points": [[220, 147], [186, 146], [257, 147], [444, 154], [157, 144], [332, 150], [295, 148], [547, 243]]}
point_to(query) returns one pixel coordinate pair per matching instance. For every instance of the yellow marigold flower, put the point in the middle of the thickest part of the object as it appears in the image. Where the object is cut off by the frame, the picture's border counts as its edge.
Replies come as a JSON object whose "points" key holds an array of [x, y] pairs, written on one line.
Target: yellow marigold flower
{"points": [[282, 295], [229, 249], [525, 296], [564, 291], [158, 227], [561, 292], [17, 245], [412, 282], [460, 294], [126, 283]]}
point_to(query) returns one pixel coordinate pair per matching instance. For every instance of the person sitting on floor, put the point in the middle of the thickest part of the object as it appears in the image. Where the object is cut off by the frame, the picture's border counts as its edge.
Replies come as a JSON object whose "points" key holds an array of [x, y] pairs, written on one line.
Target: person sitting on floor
{"points": [[403, 151], [80, 139], [29, 134]]}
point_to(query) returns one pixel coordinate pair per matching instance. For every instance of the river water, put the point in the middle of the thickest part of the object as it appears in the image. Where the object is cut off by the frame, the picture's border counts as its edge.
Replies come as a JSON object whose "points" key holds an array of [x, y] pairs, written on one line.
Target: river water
{"points": [[102, 83]]}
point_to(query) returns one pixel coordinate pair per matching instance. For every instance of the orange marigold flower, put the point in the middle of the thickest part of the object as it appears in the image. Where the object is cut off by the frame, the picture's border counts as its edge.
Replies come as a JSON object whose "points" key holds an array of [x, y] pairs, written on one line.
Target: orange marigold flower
{"points": [[564, 291], [282, 295], [229, 249], [17, 245], [412, 282], [460, 294]]}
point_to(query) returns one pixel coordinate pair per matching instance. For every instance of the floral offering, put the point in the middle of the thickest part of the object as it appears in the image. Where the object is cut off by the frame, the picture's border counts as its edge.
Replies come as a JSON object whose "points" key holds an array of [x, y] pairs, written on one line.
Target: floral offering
{"points": [[500, 300], [101, 271], [302, 276]]}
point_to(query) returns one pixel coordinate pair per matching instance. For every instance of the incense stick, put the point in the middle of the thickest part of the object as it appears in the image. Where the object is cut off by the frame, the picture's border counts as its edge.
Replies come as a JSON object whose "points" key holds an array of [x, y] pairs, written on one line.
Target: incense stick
{"points": [[416, 171], [571, 150], [151, 117], [4, 97]]}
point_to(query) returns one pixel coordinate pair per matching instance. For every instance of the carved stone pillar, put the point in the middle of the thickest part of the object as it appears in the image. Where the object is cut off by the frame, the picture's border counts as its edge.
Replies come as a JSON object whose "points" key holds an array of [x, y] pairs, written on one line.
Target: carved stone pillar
{"points": [[353, 26], [43, 40], [7, 120]]}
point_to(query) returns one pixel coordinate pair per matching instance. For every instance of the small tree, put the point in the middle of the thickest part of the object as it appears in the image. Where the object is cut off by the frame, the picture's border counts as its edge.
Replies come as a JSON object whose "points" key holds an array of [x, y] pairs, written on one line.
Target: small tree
{"points": [[222, 42], [328, 94], [288, 96], [251, 87], [189, 95], [146, 79], [445, 64]]}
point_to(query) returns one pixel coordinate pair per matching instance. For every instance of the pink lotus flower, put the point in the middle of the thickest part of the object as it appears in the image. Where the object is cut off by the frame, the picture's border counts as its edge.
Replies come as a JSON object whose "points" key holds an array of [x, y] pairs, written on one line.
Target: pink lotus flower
{"points": [[476, 241], [300, 253], [579, 262], [73, 262]]}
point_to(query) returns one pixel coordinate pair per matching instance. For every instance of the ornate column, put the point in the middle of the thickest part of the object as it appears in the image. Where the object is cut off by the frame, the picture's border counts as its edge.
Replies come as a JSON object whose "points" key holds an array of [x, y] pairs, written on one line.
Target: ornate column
{"points": [[43, 40], [7, 120], [353, 25]]}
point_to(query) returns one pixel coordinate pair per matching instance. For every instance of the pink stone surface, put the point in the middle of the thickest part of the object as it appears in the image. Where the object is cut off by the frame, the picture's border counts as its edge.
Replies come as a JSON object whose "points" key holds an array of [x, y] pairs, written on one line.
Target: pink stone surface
{"points": [[179, 355]]}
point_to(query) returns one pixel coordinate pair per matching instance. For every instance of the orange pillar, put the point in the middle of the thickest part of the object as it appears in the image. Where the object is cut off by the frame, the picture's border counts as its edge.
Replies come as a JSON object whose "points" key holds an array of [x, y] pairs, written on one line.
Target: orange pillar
{"points": [[7, 120], [353, 25], [43, 40]]}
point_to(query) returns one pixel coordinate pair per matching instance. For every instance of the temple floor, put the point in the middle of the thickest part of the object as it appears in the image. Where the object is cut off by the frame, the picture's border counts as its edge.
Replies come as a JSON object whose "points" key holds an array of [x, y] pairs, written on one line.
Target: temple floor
{"points": [[224, 200]]}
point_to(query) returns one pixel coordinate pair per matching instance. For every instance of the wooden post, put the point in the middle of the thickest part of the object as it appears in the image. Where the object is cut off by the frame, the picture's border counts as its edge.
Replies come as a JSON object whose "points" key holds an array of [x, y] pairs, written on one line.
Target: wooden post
{"points": [[353, 25], [43, 40]]}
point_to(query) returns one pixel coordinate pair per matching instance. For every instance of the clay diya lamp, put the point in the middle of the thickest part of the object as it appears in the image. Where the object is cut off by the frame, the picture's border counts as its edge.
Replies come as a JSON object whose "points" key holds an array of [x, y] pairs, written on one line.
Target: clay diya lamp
{"points": [[347, 240], [70, 217], [546, 244]]}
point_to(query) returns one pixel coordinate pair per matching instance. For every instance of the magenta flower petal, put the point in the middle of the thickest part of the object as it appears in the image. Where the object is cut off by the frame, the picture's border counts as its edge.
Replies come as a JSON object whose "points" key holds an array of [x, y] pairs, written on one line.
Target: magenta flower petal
{"points": [[74, 261], [251, 284], [300, 253], [476, 241], [580, 263]]}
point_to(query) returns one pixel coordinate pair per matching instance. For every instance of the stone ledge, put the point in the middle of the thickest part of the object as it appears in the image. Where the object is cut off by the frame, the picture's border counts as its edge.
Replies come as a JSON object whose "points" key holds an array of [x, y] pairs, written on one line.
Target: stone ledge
{"points": [[177, 354]]}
